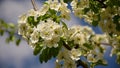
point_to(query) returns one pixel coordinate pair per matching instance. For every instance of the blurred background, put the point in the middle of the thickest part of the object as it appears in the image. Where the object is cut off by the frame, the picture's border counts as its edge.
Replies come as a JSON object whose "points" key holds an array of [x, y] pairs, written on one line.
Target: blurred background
{"points": [[12, 56]]}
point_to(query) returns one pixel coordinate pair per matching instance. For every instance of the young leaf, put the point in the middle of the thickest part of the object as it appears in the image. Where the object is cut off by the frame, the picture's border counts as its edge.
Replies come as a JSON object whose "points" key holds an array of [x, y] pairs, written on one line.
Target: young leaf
{"points": [[37, 49], [48, 53], [89, 46], [18, 41]]}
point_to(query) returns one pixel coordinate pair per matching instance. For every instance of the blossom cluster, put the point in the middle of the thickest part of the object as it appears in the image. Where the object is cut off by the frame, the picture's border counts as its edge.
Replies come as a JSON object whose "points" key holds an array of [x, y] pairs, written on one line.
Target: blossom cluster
{"points": [[47, 28], [94, 13]]}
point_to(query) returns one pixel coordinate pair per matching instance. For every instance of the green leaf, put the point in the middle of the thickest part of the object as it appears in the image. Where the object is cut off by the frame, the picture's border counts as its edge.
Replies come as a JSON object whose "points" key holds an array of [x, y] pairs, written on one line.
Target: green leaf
{"points": [[67, 1], [116, 19], [52, 11], [94, 6], [101, 62], [45, 17], [118, 27], [1, 32], [88, 45], [10, 38], [48, 53], [95, 23], [44, 57], [86, 10], [18, 41], [30, 20], [118, 58], [37, 49], [64, 25]]}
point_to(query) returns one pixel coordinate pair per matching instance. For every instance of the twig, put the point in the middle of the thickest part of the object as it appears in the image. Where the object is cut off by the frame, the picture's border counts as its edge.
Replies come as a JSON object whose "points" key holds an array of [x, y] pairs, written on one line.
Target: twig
{"points": [[105, 44], [81, 63], [102, 2], [34, 5], [66, 46]]}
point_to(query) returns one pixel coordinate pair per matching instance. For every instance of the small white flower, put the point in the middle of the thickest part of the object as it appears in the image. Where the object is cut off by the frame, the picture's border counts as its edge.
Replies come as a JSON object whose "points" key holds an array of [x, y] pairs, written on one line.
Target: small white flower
{"points": [[35, 36], [22, 18], [43, 10], [24, 29], [55, 5], [65, 12], [69, 64], [32, 12], [75, 54], [50, 32], [63, 55]]}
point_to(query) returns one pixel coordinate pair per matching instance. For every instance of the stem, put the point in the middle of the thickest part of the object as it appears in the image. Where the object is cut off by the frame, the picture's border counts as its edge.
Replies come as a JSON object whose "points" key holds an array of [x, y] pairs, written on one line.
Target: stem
{"points": [[102, 2], [66, 46], [81, 63], [34, 5]]}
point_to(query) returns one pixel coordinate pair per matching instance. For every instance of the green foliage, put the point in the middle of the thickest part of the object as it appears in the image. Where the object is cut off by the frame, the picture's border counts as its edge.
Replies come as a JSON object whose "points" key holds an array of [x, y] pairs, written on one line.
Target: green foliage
{"points": [[88, 46], [48, 53], [37, 49], [99, 62], [64, 25], [116, 20], [118, 58], [95, 23], [67, 1], [112, 3], [10, 29], [31, 20], [18, 41]]}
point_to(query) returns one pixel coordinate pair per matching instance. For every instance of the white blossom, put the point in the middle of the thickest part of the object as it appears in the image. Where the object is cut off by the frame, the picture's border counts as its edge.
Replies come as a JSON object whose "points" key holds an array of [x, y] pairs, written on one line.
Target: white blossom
{"points": [[43, 10], [50, 32], [55, 5], [75, 54], [35, 36], [70, 64]]}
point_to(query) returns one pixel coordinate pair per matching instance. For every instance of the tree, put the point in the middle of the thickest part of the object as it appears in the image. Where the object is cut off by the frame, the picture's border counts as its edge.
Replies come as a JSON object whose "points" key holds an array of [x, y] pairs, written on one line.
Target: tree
{"points": [[45, 30]]}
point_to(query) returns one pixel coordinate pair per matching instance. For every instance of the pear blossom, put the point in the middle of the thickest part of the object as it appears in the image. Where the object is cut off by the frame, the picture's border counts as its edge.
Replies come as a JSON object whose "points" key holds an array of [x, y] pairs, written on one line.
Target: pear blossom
{"points": [[35, 36], [75, 54], [70, 64]]}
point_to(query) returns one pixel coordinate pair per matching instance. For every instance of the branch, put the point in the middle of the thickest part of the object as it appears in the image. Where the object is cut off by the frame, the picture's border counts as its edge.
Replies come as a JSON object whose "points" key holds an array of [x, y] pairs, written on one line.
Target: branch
{"points": [[79, 62], [102, 2], [34, 5], [66, 46]]}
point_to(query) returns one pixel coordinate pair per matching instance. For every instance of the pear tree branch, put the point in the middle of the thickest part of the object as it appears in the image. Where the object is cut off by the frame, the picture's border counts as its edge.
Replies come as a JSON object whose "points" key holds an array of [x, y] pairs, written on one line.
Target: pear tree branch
{"points": [[34, 5]]}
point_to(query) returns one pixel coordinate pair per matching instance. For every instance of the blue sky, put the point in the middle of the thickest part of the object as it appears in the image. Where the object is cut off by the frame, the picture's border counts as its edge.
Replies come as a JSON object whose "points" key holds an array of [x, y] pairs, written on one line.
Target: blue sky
{"points": [[12, 56]]}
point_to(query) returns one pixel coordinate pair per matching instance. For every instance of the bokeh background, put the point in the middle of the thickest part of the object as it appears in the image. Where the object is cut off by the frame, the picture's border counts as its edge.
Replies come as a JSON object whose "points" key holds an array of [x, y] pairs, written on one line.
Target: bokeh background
{"points": [[12, 56]]}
